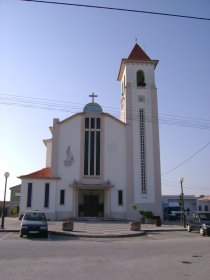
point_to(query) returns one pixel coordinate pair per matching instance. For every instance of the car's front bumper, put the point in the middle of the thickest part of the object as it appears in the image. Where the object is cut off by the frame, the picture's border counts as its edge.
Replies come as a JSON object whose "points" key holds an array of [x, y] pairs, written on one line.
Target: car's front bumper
{"points": [[33, 229]]}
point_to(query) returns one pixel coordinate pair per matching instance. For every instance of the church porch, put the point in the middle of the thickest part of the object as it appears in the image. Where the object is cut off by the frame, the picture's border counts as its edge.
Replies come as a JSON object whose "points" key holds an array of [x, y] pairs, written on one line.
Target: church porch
{"points": [[91, 200]]}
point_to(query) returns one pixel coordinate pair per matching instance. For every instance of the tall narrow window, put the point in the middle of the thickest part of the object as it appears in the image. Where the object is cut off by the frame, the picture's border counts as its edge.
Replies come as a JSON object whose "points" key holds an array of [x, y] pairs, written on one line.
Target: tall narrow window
{"points": [[29, 195], [62, 197], [86, 122], [46, 195], [142, 151], [92, 152], [140, 80], [98, 140], [86, 155], [120, 197], [92, 146]]}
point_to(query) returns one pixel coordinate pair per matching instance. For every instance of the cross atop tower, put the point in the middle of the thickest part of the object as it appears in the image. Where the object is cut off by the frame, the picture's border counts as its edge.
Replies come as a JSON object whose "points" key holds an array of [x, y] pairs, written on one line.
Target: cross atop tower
{"points": [[93, 96]]}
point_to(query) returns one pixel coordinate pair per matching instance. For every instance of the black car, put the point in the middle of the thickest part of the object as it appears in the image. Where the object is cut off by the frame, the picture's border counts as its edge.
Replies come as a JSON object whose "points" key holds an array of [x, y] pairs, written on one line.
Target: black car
{"points": [[34, 222], [199, 221]]}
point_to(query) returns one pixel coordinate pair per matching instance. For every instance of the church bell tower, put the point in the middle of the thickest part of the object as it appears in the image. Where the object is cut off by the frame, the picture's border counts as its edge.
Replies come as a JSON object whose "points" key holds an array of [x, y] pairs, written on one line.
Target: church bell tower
{"points": [[139, 110]]}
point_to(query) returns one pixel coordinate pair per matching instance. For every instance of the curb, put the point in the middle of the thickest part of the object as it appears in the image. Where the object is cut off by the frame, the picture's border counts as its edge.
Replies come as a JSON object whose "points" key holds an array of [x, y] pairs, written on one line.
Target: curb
{"points": [[165, 230], [89, 235], [108, 235]]}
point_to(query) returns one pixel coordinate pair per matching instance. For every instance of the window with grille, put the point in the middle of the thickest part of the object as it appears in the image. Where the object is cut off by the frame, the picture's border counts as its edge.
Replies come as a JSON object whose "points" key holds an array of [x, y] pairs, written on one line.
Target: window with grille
{"points": [[142, 151]]}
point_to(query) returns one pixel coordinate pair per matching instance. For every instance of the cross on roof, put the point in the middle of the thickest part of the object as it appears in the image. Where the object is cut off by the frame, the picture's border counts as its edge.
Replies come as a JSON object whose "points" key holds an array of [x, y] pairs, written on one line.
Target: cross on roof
{"points": [[93, 96]]}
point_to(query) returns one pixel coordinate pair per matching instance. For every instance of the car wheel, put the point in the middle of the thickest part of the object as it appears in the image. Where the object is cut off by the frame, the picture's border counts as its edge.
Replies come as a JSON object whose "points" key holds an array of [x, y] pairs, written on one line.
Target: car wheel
{"points": [[189, 228], [202, 232]]}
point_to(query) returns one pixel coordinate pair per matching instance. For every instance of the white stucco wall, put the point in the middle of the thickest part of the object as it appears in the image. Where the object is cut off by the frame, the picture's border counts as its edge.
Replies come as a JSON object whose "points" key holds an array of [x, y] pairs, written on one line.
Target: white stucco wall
{"points": [[115, 160], [48, 144], [69, 136], [38, 194], [147, 105], [151, 199]]}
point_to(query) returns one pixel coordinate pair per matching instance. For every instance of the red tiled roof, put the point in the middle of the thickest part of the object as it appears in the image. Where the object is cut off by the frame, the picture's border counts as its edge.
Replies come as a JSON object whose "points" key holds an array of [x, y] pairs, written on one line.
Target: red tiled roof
{"points": [[44, 173], [138, 54]]}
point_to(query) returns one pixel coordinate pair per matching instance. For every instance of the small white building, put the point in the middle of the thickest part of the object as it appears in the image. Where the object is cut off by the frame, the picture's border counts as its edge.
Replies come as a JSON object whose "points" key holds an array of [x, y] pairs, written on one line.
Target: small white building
{"points": [[98, 165], [171, 204], [203, 203]]}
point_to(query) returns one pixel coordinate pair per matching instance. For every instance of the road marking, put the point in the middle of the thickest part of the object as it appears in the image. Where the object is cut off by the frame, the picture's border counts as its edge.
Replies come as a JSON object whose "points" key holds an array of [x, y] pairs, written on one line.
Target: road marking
{"points": [[153, 237], [6, 235]]}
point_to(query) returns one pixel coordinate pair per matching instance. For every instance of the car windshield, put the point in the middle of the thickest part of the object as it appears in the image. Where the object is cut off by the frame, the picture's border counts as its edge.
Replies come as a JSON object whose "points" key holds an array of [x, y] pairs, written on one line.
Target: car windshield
{"points": [[34, 217], [205, 216]]}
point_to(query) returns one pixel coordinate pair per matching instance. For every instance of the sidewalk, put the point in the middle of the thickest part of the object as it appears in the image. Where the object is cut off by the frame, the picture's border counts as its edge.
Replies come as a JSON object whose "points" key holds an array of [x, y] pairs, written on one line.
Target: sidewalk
{"points": [[95, 228]]}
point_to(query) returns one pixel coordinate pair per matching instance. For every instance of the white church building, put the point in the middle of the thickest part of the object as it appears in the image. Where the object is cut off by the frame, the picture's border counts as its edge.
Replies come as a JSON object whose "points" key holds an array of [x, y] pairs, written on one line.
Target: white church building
{"points": [[98, 165]]}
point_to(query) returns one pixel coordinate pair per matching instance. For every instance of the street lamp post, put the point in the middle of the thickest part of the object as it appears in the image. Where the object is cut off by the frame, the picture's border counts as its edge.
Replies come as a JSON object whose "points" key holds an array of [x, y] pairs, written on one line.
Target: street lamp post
{"points": [[181, 180], [6, 175]]}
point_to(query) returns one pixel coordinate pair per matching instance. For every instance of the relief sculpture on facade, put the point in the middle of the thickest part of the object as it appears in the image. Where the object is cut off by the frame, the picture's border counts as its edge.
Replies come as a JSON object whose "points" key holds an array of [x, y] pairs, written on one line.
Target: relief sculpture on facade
{"points": [[69, 159]]}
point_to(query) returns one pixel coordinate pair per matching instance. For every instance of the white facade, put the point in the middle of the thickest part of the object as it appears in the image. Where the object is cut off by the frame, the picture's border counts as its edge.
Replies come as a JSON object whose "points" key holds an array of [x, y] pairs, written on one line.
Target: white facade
{"points": [[97, 165], [203, 203]]}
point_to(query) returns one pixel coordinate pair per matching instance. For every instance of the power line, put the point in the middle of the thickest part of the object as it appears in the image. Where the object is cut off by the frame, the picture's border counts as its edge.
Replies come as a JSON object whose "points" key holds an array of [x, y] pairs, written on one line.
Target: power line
{"points": [[47, 104], [70, 107], [189, 186], [185, 161], [117, 9]]}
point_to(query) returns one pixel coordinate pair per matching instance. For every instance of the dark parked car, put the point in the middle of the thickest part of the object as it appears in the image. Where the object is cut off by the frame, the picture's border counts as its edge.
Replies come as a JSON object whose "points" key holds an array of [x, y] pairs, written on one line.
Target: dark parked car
{"points": [[34, 222], [199, 221]]}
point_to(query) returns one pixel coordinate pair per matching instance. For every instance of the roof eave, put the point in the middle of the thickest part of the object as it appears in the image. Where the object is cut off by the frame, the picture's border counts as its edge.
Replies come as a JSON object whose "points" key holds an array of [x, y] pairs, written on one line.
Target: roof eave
{"points": [[38, 178]]}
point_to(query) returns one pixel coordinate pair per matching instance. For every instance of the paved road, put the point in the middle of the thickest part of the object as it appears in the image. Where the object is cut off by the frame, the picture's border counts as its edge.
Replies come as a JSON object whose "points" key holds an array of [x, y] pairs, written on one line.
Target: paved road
{"points": [[161, 255]]}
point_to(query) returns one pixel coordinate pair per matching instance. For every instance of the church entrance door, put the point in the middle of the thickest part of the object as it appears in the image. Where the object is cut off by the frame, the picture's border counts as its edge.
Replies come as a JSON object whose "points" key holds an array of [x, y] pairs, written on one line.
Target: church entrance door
{"points": [[91, 205]]}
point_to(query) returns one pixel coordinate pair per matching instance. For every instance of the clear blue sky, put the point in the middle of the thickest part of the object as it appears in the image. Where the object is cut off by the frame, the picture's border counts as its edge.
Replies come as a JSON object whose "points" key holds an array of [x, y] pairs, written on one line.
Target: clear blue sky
{"points": [[63, 53]]}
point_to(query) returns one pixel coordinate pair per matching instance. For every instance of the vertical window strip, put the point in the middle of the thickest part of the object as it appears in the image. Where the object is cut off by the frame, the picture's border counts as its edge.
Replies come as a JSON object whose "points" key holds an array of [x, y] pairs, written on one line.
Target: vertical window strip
{"points": [[98, 152], [98, 123], [92, 123], [86, 152], [120, 197], [142, 151], [92, 146], [46, 195], [92, 152], [29, 195], [62, 197], [86, 122]]}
